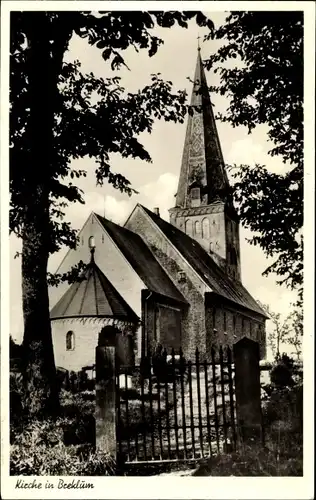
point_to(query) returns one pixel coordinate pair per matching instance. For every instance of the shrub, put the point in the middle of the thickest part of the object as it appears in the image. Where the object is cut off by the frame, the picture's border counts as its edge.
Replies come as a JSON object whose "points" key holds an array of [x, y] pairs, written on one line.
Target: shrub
{"points": [[39, 450]]}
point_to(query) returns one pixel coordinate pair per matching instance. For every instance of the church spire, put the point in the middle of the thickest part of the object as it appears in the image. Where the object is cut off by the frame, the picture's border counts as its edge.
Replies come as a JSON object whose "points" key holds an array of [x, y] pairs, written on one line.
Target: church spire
{"points": [[202, 160], [204, 208]]}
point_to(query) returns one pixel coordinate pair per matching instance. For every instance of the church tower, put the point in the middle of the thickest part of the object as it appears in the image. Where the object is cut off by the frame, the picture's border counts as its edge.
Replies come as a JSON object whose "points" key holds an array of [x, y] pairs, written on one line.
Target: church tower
{"points": [[204, 208]]}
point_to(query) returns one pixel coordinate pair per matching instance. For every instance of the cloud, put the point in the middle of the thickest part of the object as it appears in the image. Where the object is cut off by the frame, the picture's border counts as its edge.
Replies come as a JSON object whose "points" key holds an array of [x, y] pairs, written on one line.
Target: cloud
{"points": [[160, 193], [246, 151]]}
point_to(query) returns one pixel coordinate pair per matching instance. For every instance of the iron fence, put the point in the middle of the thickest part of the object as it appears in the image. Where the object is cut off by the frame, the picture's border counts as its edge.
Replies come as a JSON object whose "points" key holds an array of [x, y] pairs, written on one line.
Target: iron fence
{"points": [[174, 409]]}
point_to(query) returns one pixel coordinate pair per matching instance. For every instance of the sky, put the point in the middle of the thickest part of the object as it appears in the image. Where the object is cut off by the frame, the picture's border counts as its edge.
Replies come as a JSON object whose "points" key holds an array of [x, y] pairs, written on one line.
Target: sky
{"points": [[156, 182]]}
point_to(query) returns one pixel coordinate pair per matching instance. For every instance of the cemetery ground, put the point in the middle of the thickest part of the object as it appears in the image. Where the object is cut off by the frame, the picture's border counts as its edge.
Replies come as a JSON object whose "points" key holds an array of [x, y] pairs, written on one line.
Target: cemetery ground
{"points": [[66, 445]]}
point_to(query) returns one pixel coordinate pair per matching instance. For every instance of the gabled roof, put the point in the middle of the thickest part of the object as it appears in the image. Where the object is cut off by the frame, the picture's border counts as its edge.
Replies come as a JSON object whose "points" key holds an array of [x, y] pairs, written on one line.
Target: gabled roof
{"points": [[202, 154], [205, 266], [142, 260], [93, 296]]}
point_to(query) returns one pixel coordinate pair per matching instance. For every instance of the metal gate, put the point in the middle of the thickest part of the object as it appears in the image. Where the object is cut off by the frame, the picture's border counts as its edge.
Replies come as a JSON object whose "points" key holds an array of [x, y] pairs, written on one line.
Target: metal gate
{"points": [[171, 409]]}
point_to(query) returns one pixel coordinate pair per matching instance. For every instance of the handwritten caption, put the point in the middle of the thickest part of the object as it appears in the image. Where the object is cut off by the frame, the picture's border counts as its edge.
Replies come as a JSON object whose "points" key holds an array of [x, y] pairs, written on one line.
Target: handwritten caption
{"points": [[60, 484]]}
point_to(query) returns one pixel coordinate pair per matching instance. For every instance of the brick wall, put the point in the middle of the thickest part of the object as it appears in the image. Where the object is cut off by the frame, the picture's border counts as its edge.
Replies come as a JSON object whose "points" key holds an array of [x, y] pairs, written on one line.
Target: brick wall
{"points": [[231, 325]]}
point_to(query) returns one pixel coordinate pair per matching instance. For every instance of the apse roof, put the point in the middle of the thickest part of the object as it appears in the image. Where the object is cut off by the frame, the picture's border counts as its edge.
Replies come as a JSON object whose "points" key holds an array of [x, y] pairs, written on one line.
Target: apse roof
{"points": [[93, 296]]}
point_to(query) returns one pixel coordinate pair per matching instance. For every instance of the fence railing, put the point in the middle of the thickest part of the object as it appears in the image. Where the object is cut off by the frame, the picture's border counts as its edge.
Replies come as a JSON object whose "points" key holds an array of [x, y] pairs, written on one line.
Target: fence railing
{"points": [[170, 408], [174, 409]]}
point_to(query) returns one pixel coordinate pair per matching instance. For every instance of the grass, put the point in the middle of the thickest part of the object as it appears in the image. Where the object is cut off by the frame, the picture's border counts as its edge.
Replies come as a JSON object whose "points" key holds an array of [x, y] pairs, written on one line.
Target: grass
{"points": [[64, 446], [255, 460]]}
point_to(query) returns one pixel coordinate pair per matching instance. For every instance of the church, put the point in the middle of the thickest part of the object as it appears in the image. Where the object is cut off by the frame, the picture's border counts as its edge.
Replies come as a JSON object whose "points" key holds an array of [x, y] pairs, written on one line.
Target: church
{"points": [[174, 283]]}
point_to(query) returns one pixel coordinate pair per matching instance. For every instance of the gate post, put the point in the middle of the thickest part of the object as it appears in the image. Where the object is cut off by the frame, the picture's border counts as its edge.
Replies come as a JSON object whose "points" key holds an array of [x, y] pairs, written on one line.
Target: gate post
{"points": [[248, 390], [105, 411]]}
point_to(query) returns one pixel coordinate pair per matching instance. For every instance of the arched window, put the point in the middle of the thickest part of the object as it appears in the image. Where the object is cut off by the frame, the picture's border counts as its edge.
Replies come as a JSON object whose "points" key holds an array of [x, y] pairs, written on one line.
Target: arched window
{"points": [[70, 341], [197, 228], [205, 228], [91, 242], [195, 197], [188, 227]]}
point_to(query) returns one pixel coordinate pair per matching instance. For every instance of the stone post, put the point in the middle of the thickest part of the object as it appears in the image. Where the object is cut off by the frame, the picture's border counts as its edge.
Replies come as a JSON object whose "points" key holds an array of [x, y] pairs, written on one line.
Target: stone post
{"points": [[105, 411], [248, 390]]}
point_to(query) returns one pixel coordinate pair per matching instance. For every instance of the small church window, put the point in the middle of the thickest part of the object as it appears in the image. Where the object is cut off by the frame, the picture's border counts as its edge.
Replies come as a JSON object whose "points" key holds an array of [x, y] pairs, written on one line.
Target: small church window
{"points": [[214, 318], [91, 242], [205, 228], [82, 240], [70, 341], [188, 227], [102, 238], [197, 227], [225, 322], [195, 197], [157, 325]]}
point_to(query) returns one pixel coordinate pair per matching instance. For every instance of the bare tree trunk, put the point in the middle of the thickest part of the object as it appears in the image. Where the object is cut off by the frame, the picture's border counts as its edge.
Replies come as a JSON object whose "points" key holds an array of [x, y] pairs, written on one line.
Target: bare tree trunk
{"points": [[42, 88]]}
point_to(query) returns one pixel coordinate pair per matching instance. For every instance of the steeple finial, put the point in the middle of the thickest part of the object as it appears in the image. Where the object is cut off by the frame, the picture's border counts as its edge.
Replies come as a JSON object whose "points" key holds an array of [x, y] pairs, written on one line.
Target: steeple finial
{"points": [[198, 40]]}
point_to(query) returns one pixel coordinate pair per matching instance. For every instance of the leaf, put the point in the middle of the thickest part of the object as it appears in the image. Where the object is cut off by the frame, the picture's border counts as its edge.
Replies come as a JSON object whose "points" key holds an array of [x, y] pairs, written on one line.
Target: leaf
{"points": [[106, 54]]}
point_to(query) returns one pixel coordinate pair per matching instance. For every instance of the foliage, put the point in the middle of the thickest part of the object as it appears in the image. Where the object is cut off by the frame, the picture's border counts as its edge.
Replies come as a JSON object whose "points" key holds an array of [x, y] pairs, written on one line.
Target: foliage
{"points": [[58, 115], [15, 349], [267, 88], [62, 446], [282, 452], [255, 461], [38, 451], [288, 331], [93, 117]]}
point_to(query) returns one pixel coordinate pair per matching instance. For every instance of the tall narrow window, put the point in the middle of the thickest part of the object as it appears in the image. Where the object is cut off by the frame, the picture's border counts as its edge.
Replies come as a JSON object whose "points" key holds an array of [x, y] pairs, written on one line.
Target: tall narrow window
{"points": [[225, 322], [234, 324], [197, 228], [205, 228], [195, 197], [214, 318], [188, 227], [157, 325], [102, 238], [70, 341]]}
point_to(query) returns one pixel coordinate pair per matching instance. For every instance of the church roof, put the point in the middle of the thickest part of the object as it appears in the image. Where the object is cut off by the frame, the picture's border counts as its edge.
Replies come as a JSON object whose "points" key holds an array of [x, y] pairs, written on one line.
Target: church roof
{"points": [[202, 157], [205, 266], [94, 296], [142, 260]]}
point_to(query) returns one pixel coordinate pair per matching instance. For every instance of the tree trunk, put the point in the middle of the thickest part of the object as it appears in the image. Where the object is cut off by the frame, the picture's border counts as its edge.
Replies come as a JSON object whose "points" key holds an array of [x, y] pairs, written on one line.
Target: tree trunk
{"points": [[42, 87]]}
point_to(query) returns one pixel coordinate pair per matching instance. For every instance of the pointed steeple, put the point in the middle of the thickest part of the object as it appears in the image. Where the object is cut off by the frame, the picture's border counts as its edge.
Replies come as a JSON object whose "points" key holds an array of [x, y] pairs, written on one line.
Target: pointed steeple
{"points": [[204, 207], [202, 159]]}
